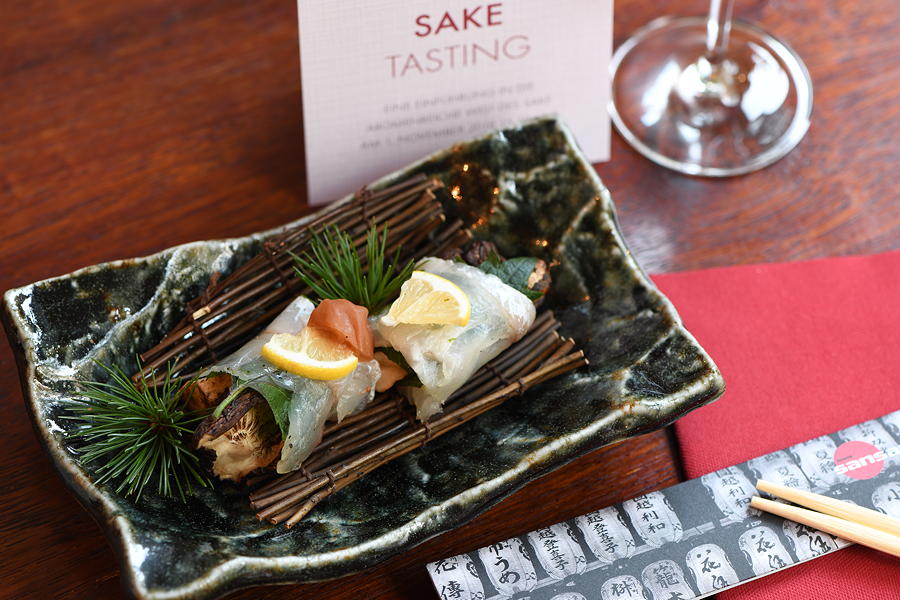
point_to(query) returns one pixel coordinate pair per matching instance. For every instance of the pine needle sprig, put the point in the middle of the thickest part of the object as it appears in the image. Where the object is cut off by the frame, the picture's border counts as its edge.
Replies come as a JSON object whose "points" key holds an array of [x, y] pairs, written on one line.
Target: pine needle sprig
{"points": [[138, 432], [333, 269]]}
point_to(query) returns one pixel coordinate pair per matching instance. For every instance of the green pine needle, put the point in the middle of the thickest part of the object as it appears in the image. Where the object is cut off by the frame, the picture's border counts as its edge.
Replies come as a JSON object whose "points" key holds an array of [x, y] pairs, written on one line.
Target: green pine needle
{"points": [[332, 268], [138, 433]]}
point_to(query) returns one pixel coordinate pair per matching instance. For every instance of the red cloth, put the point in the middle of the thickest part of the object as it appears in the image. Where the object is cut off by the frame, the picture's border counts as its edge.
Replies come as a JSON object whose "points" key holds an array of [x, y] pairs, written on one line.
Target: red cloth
{"points": [[806, 349]]}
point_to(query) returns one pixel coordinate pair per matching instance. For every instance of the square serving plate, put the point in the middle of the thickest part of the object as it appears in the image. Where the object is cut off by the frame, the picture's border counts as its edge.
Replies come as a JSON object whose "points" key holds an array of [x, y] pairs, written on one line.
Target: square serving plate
{"points": [[527, 188]]}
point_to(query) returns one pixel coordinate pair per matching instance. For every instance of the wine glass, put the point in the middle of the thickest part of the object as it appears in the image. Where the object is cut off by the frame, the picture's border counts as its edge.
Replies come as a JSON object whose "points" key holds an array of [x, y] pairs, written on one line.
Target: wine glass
{"points": [[712, 97]]}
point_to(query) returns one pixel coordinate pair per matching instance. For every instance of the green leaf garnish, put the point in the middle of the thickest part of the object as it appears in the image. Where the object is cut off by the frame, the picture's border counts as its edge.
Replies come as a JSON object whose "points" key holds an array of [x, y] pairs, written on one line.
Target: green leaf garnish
{"points": [[332, 268], [138, 432], [279, 400], [237, 386], [513, 272], [411, 379]]}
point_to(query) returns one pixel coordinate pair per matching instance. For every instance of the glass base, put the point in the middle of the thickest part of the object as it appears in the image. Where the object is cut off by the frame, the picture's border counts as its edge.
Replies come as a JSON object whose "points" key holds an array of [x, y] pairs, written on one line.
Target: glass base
{"points": [[716, 118]]}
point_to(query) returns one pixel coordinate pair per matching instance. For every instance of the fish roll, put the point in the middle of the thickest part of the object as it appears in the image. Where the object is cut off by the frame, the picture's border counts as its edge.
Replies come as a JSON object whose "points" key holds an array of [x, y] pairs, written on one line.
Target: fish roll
{"points": [[444, 357], [312, 402]]}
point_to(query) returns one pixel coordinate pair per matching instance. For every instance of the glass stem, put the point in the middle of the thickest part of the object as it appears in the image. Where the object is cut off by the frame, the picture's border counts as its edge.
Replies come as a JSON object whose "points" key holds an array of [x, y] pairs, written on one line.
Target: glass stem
{"points": [[718, 27]]}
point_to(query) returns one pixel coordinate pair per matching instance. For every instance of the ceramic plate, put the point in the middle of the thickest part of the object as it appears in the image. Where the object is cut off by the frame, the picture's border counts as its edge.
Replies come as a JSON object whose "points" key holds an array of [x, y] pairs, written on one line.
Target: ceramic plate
{"points": [[527, 188]]}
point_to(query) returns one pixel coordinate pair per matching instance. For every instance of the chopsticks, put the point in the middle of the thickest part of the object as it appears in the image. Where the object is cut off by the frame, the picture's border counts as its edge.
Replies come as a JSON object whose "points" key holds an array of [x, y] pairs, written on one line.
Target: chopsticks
{"points": [[848, 521]]}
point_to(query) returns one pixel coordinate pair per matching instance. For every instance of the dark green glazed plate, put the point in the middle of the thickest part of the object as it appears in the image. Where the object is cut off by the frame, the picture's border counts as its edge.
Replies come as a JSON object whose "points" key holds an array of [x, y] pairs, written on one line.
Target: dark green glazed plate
{"points": [[527, 188]]}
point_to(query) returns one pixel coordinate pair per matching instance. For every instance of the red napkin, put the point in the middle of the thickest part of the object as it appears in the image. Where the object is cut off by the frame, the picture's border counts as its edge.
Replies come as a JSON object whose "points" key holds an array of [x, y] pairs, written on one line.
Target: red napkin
{"points": [[806, 349]]}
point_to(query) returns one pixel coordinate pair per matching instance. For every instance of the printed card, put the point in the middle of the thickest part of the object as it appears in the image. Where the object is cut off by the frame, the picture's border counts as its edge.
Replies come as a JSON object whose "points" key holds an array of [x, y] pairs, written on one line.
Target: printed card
{"points": [[386, 82]]}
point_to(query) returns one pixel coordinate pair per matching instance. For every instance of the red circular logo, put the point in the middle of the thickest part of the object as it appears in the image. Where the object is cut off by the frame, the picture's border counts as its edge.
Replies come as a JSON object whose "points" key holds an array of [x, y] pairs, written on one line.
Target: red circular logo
{"points": [[859, 460]]}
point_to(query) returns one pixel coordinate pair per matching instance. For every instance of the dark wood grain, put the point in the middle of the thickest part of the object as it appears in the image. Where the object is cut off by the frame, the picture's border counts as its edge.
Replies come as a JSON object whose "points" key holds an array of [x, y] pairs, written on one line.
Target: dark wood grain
{"points": [[126, 128]]}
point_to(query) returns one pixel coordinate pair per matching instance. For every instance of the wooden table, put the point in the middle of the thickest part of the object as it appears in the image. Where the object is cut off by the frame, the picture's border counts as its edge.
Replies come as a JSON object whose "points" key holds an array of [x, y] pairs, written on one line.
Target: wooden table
{"points": [[127, 127]]}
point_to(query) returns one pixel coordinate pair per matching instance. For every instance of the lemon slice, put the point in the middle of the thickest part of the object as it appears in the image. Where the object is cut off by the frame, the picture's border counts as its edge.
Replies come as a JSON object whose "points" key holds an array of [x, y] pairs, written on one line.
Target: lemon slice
{"points": [[309, 354], [429, 299]]}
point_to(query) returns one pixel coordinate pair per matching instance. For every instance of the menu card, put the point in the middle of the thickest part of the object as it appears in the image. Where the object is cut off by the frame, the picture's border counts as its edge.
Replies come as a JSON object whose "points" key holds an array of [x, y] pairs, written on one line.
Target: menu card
{"points": [[690, 540], [386, 82]]}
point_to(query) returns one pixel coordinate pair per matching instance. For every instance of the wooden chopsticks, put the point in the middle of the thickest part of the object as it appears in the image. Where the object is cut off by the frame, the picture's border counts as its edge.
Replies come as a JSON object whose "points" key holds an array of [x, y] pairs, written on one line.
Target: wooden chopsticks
{"points": [[849, 521]]}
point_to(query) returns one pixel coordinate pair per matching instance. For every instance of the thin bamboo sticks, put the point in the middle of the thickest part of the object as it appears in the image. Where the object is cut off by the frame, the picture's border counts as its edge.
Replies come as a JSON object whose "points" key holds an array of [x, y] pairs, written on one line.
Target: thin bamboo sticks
{"points": [[386, 430], [232, 308]]}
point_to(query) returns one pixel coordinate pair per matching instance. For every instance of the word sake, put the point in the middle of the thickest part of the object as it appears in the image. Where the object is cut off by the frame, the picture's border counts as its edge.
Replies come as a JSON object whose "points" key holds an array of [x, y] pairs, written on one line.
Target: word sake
{"points": [[469, 19]]}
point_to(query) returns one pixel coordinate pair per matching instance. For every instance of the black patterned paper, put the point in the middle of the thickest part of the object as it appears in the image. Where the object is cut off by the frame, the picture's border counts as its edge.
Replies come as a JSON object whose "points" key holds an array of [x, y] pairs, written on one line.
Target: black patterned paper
{"points": [[689, 540]]}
